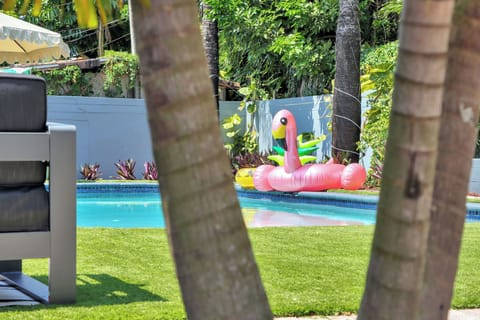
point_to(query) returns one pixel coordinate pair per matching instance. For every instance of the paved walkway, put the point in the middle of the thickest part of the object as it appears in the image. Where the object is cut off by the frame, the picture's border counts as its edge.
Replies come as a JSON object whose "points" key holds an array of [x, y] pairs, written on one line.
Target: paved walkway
{"points": [[465, 314]]}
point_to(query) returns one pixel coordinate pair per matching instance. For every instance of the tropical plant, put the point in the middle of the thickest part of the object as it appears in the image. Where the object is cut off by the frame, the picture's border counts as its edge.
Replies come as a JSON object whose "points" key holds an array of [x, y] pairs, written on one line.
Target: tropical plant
{"points": [[125, 169], [385, 20], [90, 172], [69, 80], [246, 142], [378, 66], [288, 45], [249, 160], [150, 172], [61, 16], [375, 173], [119, 65]]}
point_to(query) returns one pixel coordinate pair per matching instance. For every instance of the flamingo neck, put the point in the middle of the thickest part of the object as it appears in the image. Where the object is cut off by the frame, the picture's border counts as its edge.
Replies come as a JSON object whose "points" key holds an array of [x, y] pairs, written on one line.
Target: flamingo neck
{"points": [[291, 159]]}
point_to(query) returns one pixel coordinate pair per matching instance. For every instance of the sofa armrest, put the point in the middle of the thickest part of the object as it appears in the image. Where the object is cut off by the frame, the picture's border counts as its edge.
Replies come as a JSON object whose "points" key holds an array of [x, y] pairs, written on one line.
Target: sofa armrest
{"points": [[63, 216]]}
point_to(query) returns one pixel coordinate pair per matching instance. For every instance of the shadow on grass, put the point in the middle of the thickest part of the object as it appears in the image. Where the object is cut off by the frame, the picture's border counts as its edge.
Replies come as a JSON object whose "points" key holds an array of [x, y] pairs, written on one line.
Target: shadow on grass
{"points": [[103, 289]]}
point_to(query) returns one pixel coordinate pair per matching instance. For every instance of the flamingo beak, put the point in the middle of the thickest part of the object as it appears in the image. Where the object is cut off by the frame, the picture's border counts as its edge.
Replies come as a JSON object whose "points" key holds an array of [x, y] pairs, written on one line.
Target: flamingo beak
{"points": [[282, 142], [279, 134]]}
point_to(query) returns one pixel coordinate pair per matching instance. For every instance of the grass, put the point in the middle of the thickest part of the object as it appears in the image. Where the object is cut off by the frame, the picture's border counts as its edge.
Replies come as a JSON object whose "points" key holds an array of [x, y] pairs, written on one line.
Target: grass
{"points": [[129, 274]]}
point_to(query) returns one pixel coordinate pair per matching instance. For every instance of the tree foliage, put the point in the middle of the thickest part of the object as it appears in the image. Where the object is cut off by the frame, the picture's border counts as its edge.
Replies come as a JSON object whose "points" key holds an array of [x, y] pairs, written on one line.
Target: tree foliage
{"points": [[118, 66], [61, 16], [378, 67], [69, 81], [288, 46]]}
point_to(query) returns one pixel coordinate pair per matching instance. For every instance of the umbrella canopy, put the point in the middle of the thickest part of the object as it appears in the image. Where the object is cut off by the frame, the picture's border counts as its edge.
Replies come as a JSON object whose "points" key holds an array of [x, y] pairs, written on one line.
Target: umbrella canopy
{"points": [[22, 42]]}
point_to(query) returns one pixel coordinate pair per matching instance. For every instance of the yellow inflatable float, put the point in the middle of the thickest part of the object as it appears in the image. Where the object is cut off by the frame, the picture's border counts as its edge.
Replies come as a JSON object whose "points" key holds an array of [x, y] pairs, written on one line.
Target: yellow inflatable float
{"points": [[244, 177]]}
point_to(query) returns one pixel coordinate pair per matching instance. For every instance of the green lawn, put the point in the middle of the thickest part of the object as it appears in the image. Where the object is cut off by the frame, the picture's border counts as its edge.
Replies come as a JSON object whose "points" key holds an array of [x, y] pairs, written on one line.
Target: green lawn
{"points": [[128, 273]]}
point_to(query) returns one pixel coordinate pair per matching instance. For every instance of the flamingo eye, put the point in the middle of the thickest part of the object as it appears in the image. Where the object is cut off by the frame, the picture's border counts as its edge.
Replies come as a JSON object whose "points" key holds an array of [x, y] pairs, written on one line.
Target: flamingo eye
{"points": [[284, 121]]}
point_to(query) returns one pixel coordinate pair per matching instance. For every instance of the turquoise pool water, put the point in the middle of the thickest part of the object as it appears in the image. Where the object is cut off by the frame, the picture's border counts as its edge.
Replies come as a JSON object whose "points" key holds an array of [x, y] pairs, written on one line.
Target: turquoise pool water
{"points": [[143, 210]]}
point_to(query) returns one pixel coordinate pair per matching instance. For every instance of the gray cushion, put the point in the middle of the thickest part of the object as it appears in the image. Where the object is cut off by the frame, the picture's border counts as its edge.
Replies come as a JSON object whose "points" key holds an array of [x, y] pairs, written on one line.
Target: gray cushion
{"points": [[24, 209], [24, 202], [23, 108], [23, 103], [27, 173]]}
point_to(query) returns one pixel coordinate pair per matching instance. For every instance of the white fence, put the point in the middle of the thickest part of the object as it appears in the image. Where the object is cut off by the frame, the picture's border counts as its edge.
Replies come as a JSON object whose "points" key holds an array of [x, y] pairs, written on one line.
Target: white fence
{"points": [[113, 129]]}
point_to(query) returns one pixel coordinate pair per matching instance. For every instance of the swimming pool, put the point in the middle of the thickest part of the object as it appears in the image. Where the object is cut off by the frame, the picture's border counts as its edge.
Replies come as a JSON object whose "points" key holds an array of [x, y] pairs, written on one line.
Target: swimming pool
{"points": [[144, 210], [139, 206]]}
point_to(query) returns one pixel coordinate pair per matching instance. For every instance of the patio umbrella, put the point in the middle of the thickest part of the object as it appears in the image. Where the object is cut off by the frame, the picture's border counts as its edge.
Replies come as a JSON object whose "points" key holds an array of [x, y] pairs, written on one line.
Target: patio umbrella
{"points": [[22, 42]]}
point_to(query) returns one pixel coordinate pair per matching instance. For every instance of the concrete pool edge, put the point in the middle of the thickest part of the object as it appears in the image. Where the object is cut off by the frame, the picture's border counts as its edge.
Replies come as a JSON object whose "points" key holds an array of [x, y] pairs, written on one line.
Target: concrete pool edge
{"points": [[326, 198]]}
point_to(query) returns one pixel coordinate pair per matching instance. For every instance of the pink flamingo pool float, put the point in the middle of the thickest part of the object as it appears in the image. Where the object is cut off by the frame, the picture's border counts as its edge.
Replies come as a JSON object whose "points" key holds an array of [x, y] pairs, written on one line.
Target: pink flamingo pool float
{"points": [[293, 176]]}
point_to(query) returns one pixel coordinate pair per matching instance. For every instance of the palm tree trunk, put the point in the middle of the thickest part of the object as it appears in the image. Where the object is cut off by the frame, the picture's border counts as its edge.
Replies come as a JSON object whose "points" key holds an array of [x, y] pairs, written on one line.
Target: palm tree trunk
{"points": [[396, 269], [347, 111], [218, 276], [210, 42], [457, 138]]}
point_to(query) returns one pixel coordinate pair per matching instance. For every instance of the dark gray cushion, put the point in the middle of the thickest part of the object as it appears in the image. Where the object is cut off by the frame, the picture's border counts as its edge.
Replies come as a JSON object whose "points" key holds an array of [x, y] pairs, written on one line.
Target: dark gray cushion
{"points": [[23, 103], [23, 108], [27, 173], [24, 202], [24, 209]]}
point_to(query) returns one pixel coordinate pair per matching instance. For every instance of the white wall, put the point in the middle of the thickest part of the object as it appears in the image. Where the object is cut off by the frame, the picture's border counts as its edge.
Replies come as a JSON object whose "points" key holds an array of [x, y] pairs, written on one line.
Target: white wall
{"points": [[110, 129], [475, 176]]}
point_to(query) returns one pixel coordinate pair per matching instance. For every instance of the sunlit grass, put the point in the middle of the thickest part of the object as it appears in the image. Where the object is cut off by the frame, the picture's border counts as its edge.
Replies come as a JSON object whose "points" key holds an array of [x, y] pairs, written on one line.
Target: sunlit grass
{"points": [[129, 274]]}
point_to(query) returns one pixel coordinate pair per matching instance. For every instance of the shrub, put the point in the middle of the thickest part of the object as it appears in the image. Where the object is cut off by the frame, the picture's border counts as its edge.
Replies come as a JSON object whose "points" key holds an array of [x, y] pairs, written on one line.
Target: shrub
{"points": [[150, 171], [375, 174], [249, 160], [378, 68], [90, 172], [117, 66], [69, 80], [126, 169]]}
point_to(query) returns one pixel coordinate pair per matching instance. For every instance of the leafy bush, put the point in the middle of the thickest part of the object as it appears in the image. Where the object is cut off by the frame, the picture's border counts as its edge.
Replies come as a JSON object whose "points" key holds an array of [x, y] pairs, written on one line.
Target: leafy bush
{"points": [[378, 68], [290, 45], [150, 171], [119, 65], [90, 172], [240, 142], [126, 169], [249, 160], [375, 174], [69, 81]]}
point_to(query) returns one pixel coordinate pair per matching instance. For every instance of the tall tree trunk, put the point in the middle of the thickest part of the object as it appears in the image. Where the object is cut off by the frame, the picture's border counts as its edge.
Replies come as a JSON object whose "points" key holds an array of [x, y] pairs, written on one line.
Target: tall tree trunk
{"points": [[396, 269], [347, 111], [457, 139], [210, 42], [218, 276]]}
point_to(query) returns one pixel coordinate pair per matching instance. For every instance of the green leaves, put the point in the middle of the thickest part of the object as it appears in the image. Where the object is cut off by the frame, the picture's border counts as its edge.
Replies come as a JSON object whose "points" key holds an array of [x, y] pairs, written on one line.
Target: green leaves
{"points": [[231, 122], [119, 65], [67, 81], [277, 42], [88, 11], [378, 67]]}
